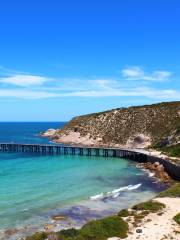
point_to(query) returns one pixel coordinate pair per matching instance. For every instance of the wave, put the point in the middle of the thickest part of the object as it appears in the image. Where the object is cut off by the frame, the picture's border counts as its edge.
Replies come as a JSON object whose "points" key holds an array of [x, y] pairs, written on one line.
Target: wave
{"points": [[135, 186], [150, 174], [95, 197], [115, 193]]}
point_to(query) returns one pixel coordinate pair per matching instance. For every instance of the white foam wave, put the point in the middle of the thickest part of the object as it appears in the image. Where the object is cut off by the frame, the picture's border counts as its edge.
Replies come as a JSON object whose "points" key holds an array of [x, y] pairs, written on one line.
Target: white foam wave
{"points": [[95, 197], [121, 189], [134, 187], [151, 174], [115, 193]]}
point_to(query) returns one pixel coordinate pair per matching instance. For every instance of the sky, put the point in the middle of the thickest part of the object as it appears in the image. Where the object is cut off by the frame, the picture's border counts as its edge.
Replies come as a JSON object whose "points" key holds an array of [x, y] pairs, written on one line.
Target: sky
{"points": [[60, 59]]}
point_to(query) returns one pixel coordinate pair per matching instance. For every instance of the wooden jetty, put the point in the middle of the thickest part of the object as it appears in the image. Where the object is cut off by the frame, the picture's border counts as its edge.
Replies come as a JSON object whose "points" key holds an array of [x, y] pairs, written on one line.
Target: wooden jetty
{"points": [[54, 149]]}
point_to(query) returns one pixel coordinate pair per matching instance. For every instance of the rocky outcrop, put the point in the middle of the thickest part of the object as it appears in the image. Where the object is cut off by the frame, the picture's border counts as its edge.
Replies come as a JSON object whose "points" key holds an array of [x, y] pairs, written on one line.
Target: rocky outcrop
{"points": [[134, 127], [49, 133], [158, 171]]}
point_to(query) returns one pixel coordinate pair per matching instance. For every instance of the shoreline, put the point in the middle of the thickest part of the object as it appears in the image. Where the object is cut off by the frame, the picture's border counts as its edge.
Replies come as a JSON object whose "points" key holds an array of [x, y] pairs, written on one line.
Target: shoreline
{"points": [[49, 226], [140, 225], [75, 139]]}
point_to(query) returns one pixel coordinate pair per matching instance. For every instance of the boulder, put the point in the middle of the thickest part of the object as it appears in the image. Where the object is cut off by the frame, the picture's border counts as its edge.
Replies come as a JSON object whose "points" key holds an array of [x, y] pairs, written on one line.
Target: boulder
{"points": [[160, 168], [156, 164], [48, 227]]}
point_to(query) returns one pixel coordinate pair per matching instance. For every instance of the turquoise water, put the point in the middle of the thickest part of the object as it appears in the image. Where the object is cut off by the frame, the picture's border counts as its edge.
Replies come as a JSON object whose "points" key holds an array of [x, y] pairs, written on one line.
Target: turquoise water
{"points": [[33, 188]]}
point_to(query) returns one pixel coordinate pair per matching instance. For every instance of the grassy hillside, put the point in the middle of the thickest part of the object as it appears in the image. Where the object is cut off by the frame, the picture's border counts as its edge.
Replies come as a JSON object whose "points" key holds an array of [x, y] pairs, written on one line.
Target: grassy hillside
{"points": [[158, 124]]}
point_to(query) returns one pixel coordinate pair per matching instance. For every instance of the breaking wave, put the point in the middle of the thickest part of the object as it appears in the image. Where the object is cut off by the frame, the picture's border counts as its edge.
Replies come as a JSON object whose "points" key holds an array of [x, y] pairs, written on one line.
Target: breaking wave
{"points": [[115, 193]]}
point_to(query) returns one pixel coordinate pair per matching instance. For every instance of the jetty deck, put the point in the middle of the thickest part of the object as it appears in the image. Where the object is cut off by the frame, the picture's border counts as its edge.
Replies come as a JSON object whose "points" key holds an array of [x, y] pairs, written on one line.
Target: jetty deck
{"points": [[54, 149]]}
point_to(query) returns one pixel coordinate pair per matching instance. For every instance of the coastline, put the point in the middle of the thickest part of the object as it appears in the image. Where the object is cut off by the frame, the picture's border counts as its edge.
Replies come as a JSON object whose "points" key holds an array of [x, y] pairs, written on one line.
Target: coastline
{"points": [[170, 165], [143, 220], [132, 194], [75, 139], [49, 228], [149, 227]]}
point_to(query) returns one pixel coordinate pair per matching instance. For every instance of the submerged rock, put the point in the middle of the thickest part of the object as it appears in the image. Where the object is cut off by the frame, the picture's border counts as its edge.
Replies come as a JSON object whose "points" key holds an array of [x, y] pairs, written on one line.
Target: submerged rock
{"points": [[10, 232], [59, 217]]}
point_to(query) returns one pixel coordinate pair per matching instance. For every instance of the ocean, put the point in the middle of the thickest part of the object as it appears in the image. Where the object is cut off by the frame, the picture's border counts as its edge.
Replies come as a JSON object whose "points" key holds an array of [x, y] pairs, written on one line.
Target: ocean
{"points": [[33, 188]]}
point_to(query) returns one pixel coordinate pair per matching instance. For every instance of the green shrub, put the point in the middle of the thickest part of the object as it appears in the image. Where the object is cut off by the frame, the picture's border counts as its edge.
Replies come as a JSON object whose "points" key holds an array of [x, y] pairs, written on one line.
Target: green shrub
{"points": [[38, 236], [173, 150], [123, 213], [68, 234], [177, 218], [152, 206], [173, 191], [104, 228]]}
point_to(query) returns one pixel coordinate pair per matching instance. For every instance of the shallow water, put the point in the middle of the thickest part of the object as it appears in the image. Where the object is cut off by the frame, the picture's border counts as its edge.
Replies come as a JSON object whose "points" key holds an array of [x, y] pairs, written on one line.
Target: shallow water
{"points": [[33, 188]]}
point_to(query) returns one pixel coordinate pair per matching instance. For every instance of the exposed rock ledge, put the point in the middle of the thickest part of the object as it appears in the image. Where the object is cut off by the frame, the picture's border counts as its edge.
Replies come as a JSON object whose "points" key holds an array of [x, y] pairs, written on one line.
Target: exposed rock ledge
{"points": [[157, 170], [72, 137], [75, 138]]}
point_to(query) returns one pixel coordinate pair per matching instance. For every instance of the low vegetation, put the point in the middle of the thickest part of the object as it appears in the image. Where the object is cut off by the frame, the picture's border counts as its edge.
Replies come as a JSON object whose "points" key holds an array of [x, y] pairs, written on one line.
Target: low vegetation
{"points": [[38, 236], [94, 230], [177, 218], [104, 228], [173, 191], [172, 151], [151, 206], [124, 213]]}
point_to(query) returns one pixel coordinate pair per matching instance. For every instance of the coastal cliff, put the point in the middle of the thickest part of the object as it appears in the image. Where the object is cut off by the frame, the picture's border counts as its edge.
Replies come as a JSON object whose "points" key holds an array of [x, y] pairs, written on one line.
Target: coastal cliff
{"points": [[134, 127]]}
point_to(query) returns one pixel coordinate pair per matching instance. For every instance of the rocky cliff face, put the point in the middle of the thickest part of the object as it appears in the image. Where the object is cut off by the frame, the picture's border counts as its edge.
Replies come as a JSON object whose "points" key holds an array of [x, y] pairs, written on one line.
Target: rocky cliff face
{"points": [[139, 126]]}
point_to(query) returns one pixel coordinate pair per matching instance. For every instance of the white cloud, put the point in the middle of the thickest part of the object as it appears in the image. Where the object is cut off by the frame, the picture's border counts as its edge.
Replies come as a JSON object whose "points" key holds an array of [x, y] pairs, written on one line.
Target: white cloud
{"points": [[129, 92], [152, 93], [26, 94], [28, 86], [24, 80], [133, 72], [137, 73]]}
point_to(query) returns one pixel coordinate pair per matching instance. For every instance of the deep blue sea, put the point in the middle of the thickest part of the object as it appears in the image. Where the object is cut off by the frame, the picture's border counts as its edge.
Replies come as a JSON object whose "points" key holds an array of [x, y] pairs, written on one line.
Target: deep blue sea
{"points": [[26, 132], [33, 188]]}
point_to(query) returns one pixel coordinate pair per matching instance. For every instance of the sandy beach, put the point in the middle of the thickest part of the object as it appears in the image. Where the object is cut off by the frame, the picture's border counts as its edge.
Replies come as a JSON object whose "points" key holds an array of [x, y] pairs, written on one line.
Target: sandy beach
{"points": [[158, 226]]}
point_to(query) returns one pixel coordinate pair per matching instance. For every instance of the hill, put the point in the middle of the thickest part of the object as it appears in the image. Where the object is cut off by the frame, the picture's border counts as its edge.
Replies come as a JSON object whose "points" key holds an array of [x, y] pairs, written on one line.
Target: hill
{"points": [[139, 126]]}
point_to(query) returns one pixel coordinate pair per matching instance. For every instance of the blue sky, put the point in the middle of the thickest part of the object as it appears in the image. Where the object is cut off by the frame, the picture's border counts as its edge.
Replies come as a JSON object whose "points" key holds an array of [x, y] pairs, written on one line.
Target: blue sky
{"points": [[59, 59]]}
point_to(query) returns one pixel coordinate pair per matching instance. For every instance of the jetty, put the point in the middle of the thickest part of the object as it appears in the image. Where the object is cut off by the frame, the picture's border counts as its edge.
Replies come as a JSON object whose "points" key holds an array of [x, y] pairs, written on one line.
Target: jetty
{"points": [[54, 149], [57, 149]]}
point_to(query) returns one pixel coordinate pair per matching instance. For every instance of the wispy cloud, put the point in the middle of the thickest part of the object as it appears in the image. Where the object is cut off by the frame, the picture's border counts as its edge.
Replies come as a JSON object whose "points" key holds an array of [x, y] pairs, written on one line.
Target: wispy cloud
{"points": [[129, 92], [121, 92], [10, 72], [26, 94], [29, 86], [137, 73], [24, 80]]}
